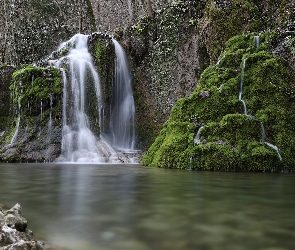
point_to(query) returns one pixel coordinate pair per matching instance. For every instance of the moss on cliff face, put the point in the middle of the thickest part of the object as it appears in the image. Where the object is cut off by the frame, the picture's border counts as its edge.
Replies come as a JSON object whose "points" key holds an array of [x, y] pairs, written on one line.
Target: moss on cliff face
{"points": [[166, 60], [222, 21], [103, 51], [34, 131], [229, 139], [31, 84]]}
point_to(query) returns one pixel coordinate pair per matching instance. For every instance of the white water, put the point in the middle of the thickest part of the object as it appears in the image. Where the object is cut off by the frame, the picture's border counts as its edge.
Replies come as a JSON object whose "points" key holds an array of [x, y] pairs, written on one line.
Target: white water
{"points": [[41, 109], [241, 87], [275, 148], [79, 144], [122, 119], [256, 40], [17, 123], [50, 115], [16, 130], [197, 137]]}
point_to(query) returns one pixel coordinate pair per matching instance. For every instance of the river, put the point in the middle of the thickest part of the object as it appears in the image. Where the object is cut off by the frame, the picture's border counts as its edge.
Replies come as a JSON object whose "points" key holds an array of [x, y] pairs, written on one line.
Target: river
{"points": [[114, 207]]}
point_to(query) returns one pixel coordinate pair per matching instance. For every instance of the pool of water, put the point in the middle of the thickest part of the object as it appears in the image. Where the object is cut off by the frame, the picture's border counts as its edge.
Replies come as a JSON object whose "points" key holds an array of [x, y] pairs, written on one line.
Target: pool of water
{"points": [[114, 207]]}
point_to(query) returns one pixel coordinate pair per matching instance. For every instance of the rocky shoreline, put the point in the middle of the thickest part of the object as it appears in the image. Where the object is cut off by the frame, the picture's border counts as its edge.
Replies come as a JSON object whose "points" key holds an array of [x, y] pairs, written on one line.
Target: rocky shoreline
{"points": [[14, 234]]}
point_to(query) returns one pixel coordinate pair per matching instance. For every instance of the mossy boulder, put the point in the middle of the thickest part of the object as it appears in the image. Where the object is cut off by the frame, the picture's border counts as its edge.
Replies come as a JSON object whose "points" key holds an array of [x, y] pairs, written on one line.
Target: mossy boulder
{"points": [[231, 140]]}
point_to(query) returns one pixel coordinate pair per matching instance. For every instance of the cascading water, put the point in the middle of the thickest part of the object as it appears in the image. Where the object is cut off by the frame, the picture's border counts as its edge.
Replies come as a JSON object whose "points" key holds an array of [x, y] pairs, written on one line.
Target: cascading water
{"points": [[197, 137], [17, 123], [122, 129], [257, 42], [79, 144], [241, 87]]}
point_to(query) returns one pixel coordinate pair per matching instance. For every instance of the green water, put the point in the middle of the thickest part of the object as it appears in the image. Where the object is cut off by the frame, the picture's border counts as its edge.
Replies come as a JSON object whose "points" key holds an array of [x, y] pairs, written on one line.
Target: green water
{"points": [[114, 207]]}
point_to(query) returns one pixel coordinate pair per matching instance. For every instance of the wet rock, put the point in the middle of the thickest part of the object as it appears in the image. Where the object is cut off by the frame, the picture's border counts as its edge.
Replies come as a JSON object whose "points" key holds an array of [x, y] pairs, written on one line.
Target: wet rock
{"points": [[205, 94], [14, 234]]}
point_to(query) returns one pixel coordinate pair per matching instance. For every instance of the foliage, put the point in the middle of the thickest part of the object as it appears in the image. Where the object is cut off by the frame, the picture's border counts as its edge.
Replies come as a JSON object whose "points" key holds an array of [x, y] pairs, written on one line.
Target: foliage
{"points": [[230, 140], [31, 84]]}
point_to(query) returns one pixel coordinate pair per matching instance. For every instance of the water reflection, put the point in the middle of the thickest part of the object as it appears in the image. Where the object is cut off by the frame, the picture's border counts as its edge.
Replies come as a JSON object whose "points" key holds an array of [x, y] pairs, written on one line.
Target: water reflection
{"points": [[131, 207]]}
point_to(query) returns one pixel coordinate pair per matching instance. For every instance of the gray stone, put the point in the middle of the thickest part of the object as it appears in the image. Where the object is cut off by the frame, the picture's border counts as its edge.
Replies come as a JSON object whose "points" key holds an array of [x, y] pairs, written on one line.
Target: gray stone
{"points": [[14, 234]]}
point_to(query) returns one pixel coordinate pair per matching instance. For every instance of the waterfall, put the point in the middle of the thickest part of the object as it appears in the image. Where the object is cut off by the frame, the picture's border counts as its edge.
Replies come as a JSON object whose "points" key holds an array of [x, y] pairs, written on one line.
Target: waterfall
{"points": [[16, 130], [256, 41], [17, 123], [41, 109], [245, 108], [241, 87], [50, 114], [79, 144], [197, 137], [275, 148], [122, 118], [262, 132]]}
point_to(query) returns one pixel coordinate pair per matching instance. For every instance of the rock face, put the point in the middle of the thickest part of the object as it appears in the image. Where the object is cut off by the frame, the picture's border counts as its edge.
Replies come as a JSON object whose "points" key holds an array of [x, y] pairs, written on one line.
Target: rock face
{"points": [[14, 234], [167, 59], [32, 132], [111, 15], [32, 29], [5, 78], [168, 53]]}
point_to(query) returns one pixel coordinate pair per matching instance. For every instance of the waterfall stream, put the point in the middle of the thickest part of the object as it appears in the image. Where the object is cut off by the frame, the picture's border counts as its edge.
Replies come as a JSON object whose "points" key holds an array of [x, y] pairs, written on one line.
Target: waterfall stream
{"points": [[79, 142], [263, 136], [241, 87], [197, 137], [256, 41], [17, 123], [122, 127]]}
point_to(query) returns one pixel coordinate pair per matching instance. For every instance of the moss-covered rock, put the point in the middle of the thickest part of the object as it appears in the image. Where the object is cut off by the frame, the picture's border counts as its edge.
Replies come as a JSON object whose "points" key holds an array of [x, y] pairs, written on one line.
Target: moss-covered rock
{"points": [[31, 85], [229, 139], [103, 51], [167, 59], [33, 131]]}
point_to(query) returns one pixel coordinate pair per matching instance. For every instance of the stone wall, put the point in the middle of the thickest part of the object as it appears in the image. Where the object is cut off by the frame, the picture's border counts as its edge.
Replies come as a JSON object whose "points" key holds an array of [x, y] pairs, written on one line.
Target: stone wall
{"points": [[114, 14], [5, 78], [30, 30]]}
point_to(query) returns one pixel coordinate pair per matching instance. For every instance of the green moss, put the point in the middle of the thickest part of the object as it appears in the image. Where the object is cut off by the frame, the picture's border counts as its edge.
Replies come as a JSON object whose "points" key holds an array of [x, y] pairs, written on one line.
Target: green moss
{"points": [[230, 140], [104, 53], [172, 139], [99, 50], [32, 84], [221, 26], [103, 50]]}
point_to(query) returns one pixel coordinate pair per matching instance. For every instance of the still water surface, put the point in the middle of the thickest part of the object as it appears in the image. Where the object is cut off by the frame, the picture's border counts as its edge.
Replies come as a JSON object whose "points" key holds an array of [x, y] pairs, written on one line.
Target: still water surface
{"points": [[130, 207]]}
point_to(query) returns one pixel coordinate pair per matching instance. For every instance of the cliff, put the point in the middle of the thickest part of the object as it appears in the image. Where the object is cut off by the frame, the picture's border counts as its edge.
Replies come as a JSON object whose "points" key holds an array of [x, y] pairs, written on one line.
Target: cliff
{"points": [[176, 55]]}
